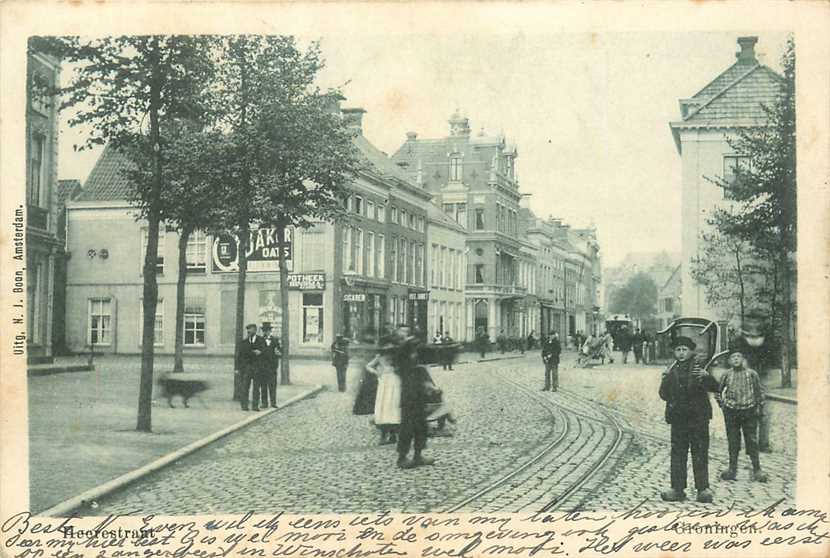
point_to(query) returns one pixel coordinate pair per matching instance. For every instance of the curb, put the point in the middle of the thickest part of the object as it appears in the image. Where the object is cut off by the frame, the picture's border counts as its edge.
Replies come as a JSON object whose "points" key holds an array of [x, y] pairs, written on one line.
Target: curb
{"points": [[33, 372], [782, 398], [66, 507]]}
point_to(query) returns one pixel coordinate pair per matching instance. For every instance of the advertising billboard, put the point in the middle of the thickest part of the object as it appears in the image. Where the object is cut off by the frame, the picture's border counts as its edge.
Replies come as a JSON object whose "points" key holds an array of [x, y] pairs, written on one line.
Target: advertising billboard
{"points": [[262, 251]]}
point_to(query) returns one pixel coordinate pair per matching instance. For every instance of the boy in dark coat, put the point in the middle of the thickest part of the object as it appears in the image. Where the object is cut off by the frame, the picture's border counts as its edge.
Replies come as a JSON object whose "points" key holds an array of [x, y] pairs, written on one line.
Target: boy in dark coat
{"points": [[415, 394], [684, 387]]}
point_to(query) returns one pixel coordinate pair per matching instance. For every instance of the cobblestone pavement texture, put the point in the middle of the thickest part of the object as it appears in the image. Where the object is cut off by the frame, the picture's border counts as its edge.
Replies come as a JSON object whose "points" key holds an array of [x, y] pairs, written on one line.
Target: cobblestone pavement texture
{"points": [[316, 457]]}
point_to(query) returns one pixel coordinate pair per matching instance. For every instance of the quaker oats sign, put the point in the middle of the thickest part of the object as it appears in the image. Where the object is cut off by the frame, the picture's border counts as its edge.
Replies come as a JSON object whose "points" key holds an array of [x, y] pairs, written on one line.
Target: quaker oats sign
{"points": [[262, 251]]}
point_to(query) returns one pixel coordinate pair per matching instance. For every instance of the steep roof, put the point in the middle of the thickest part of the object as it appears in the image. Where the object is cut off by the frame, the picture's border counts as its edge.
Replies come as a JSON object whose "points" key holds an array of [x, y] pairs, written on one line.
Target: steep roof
{"points": [[735, 98], [384, 166], [67, 190], [107, 180]]}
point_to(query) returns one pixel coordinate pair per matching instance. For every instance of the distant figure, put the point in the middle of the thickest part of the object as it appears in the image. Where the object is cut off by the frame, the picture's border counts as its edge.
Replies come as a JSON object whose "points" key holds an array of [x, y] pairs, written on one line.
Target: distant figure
{"points": [[482, 341], [501, 341], [437, 338], [340, 360], [624, 340], [551, 350], [637, 341], [447, 351], [531, 340], [251, 350]]}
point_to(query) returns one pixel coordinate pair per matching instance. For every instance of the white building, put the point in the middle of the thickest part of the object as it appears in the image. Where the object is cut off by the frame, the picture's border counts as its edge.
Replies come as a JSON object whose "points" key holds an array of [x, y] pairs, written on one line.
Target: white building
{"points": [[733, 100]]}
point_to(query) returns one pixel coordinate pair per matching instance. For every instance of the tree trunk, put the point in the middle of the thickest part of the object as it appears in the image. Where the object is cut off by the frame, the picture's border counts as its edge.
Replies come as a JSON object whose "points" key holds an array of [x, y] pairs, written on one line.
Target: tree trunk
{"points": [[742, 297], [242, 259], [144, 422], [285, 370], [787, 342], [184, 235]]}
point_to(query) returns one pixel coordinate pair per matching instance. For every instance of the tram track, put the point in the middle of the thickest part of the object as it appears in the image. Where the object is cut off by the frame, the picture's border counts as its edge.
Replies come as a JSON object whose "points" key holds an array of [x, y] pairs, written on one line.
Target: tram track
{"points": [[546, 481]]}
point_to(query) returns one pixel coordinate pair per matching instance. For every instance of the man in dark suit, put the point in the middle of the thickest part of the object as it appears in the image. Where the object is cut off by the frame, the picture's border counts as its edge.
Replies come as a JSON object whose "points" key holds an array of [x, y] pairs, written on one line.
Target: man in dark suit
{"points": [[251, 350], [340, 360], [270, 365], [551, 349]]}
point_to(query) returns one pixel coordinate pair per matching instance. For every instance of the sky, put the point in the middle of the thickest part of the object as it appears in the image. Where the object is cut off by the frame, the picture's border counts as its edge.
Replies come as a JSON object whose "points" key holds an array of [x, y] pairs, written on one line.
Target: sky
{"points": [[588, 112]]}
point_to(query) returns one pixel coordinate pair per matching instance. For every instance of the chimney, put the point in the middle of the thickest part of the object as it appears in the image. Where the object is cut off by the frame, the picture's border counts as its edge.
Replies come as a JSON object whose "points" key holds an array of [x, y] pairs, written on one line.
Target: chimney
{"points": [[747, 52], [459, 125], [353, 117], [333, 103], [411, 136]]}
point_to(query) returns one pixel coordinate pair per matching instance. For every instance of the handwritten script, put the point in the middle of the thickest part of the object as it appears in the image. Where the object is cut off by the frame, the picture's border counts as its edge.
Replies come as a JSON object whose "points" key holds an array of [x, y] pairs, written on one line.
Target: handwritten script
{"points": [[644, 529]]}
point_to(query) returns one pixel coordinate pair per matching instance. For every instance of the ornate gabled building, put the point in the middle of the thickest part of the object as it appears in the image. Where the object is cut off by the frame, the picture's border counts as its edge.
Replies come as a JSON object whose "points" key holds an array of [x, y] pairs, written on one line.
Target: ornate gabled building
{"points": [[732, 101], [473, 179]]}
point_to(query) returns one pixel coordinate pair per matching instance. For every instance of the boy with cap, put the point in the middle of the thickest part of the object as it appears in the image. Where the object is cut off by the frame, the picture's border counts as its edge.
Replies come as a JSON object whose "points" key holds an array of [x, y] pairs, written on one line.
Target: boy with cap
{"points": [[742, 401], [684, 387]]}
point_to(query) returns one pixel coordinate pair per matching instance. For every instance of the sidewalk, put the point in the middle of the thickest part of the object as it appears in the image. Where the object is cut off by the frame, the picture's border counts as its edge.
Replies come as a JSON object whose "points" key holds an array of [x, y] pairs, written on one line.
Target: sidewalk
{"points": [[776, 392], [82, 424]]}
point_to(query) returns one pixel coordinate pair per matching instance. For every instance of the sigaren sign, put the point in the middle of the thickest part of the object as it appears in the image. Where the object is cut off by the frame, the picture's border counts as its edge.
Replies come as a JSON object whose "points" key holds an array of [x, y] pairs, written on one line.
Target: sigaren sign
{"points": [[354, 297], [263, 254]]}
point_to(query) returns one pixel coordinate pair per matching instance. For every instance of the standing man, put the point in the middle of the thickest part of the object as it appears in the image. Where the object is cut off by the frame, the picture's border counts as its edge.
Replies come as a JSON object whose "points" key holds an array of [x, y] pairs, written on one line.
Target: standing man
{"points": [[624, 342], [551, 349], [637, 344], [271, 363], [447, 351], [483, 340], [251, 351], [340, 360]]}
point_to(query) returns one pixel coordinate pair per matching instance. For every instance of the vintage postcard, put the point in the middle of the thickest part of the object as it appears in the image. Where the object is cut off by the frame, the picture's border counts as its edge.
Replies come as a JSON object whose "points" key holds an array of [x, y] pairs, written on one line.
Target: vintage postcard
{"points": [[450, 279]]}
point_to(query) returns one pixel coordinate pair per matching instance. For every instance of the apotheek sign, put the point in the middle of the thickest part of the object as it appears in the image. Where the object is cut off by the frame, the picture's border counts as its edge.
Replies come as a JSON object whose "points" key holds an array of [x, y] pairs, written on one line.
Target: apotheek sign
{"points": [[307, 281], [262, 251]]}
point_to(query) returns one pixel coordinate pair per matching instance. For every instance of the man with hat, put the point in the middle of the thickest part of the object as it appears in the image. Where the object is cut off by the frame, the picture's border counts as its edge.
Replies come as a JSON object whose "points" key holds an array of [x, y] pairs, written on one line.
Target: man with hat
{"points": [[270, 365], [251, 350], [684, 387], [340, 360]]}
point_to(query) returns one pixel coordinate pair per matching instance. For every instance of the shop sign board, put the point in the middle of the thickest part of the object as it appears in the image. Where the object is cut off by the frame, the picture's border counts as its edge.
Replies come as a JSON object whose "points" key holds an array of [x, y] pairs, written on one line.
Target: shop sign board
{"points": [[354, 297], [263, 254], [419, 296], [307, 281]]}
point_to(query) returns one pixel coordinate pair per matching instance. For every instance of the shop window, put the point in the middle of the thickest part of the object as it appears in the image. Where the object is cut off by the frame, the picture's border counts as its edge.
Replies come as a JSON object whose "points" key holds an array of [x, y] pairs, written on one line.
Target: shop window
{"points": [[158, 330], [196, 252], [194, 323], [99, 321], [312, 317], [479, 218]]}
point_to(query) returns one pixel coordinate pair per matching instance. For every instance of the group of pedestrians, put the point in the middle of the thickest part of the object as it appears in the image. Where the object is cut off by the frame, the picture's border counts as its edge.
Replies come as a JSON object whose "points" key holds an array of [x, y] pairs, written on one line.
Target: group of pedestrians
{"points": [[684, 387], [403, 397], [258, 360]]}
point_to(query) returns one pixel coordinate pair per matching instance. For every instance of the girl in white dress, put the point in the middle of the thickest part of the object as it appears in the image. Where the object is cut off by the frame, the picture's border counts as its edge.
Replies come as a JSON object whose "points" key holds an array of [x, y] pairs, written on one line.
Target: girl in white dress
{"points": [[388, 399]]}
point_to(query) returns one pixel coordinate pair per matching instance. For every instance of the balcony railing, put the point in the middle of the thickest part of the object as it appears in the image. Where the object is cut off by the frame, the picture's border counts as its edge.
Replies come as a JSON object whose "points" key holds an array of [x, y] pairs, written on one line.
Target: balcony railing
{"points": [[504, 290]]}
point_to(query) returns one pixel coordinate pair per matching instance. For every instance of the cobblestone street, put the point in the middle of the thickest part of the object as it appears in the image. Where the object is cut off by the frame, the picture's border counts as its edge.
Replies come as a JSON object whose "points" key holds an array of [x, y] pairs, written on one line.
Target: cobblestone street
{"points": [[514, 449]]}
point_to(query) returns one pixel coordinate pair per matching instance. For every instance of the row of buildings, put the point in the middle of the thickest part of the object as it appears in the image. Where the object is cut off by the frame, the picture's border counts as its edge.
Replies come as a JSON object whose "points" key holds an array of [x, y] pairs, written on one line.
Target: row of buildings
{"points": [[438, 236]]}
